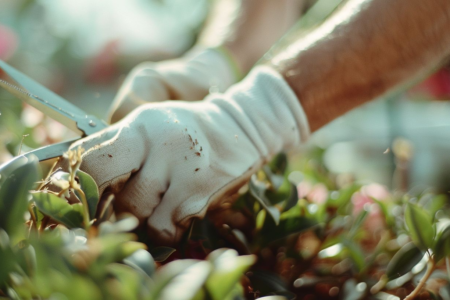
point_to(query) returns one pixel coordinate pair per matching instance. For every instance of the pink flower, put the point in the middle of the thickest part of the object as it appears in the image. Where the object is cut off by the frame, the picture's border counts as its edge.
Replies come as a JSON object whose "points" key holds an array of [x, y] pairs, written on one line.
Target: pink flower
{"points": [[317, 193], [363, 199], [303, 188], [8, 42], [103, 68], [437, 86], [375, 190]]}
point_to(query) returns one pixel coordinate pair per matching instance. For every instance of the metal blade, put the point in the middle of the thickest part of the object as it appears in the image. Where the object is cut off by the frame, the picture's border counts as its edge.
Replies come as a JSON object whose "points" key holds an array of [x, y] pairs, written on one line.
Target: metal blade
{"points": [[44, 153], [50, 103]]}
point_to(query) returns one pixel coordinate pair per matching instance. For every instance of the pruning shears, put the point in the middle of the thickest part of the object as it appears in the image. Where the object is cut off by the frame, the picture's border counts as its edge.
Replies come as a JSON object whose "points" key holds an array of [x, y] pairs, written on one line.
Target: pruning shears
{"points": [[38, 96]]}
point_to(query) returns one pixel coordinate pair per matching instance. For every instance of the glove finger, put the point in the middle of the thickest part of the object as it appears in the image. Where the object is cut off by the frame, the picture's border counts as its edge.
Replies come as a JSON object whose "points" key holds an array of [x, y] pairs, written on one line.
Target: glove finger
{"points": [[161, 226], [111, 162], [169, 219], [182, 203], [141, 194], [143, 85], [87, 143]]}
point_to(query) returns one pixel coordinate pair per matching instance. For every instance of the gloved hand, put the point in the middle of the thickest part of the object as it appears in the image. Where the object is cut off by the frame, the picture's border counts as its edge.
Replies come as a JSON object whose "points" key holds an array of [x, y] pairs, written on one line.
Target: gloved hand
{"points": [[191, 77], [168, 162]]}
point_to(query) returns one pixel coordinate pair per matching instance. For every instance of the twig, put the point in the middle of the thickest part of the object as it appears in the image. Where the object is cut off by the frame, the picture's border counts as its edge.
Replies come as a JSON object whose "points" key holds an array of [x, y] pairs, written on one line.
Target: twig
{"points": [[83, 199], [379, 285], [21, 142], [29, 228], [44, 223], [430, 269], [61, 192], [49, 174], [33, 217]]}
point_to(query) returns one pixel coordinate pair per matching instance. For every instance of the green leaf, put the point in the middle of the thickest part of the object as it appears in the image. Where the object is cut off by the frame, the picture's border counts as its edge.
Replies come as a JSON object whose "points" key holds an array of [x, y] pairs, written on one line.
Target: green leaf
{"points": [[432, 203], [279, 196], [276, 180], [403, 261], [130, 284], [441, 248], [73, 286], [292, 200], [26, 257], [258, 190], [38, 215], [90, 189], [181, 279], [228, 270], [16, 179], [7, 258], [266, 283], [127, 223], [129, 248], [385, 210], [260, 219], [59, 210], [141, 260], [279, 163], [359, 220], [419, 226], [114, 248], [291, 222], [242, 240], [355, 253], [160, 254], [343, 197]]}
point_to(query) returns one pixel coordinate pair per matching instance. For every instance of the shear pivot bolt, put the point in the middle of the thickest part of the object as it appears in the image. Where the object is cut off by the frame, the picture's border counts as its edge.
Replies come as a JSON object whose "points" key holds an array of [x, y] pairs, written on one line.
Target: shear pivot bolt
{"points": [[92, 123]]}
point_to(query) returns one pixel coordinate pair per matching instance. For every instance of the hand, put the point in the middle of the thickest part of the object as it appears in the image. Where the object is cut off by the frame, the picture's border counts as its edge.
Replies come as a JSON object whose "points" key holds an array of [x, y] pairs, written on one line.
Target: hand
{"points": [[168, 162], [189, 78]]}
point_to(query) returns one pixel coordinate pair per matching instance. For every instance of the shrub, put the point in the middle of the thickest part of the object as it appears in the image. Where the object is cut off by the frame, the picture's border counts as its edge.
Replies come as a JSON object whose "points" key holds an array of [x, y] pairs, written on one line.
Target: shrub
{"points": [[304, 235]]}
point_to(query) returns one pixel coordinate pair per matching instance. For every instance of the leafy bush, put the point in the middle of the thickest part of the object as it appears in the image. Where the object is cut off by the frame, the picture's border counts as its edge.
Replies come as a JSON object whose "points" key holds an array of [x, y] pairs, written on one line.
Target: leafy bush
{"points": [[289, 235]]}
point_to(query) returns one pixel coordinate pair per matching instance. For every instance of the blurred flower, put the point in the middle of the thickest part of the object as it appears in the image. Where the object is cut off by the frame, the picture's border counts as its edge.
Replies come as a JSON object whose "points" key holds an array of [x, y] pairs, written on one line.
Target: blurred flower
{"points": [[363, 199], [437, 86], [317, 193], [56, 132], [303, 188], [62, 183], [8, 42], [31, 117], [4, 153], [102, 68]]}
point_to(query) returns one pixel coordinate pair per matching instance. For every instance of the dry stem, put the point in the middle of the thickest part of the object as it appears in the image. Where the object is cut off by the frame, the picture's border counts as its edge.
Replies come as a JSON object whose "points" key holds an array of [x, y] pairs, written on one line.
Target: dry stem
{"points": [[430, 269]]}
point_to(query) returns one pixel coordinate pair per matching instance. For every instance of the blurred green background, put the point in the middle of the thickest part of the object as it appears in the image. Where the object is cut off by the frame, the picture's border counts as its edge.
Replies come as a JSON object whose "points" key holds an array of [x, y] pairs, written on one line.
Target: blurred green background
{"points": [[83, 49]]}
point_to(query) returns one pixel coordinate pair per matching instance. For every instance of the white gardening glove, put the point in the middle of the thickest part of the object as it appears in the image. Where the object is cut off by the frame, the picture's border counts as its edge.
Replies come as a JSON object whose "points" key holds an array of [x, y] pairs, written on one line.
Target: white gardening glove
{"points": [[191, 77], [168, 162]]}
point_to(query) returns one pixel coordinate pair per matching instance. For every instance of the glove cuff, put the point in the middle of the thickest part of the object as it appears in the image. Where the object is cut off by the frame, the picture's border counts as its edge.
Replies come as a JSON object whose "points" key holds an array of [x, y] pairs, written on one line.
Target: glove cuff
{"points": [[267, 110]]}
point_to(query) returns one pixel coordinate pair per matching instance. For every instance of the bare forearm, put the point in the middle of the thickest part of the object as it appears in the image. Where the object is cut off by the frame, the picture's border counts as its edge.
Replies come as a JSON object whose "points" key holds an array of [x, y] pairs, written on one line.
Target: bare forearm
{"points": [[363, 51], [248, 28]]}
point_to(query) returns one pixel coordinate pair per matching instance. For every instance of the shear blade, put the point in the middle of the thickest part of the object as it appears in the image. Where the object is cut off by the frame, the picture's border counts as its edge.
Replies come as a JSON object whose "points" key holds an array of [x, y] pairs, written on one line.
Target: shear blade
{"points": [[49, 103]]}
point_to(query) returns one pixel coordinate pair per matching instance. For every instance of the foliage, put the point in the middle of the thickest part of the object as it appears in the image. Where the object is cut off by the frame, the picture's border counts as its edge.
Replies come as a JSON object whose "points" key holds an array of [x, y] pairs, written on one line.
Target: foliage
{"points": [[62, 248], [290, 235]]}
